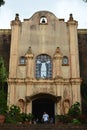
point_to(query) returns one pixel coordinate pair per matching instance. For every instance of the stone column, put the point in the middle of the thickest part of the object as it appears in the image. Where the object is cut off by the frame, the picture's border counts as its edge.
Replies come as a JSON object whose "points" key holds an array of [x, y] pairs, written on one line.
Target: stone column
{"points": [[57, 62], [29, 107], [15, 38], [11, 95], [29, 64], [76, 92], [74, 60], [58, 107], [74, 55]]}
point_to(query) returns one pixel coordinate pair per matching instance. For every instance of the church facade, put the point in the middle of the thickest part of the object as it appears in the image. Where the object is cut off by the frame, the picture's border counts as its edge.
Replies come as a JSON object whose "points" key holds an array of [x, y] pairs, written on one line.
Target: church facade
{"points": [[44, 65]]}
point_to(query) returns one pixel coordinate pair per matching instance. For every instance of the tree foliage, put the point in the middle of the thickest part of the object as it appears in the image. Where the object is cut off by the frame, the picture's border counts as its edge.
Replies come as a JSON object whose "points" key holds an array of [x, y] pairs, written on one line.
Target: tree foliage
{"points": [[84, 96], [2, 2], [85, 0], [3, 73], [3, 78], [74, 110], [3, 103]]}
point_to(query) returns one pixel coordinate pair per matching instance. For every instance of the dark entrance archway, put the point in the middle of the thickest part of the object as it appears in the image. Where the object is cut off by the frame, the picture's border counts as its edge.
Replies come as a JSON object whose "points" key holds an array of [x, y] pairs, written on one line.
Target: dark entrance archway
{"points": [[43, 104]]}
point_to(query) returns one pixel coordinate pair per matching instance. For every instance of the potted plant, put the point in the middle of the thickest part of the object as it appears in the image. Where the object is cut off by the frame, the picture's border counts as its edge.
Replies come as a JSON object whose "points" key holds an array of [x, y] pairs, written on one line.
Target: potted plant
{"points": [[3, 98]]}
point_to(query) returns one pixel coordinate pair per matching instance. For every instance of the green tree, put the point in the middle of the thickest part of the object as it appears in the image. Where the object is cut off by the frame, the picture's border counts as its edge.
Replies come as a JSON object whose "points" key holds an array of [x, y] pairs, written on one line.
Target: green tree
{"points": [[85, 0], [3, 78], [84, 96], [2, 2], [74, 110], [3, 73]]}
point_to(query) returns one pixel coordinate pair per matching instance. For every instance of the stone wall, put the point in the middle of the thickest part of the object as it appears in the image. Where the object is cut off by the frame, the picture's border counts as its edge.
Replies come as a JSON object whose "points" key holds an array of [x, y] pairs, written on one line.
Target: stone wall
{"points": [[41, 127], [82, 42]]}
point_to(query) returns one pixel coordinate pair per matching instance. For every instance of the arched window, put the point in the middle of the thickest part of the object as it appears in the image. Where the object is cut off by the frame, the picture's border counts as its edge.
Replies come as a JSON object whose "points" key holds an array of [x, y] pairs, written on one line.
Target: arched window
{"points": [[22, 60], [65, 60], [43, 20], [43, 66]]}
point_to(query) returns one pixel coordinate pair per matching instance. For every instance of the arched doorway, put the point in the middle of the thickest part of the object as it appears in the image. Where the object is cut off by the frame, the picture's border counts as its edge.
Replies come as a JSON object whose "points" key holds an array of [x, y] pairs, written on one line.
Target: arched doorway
{"points": [[43, 104]]}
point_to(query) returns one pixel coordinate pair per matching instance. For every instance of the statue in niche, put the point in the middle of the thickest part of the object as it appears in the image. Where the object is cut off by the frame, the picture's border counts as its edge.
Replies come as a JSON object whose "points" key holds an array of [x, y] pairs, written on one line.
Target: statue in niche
{"points": [[66, 106], [21, 104], [43, 70], [66, 93]]}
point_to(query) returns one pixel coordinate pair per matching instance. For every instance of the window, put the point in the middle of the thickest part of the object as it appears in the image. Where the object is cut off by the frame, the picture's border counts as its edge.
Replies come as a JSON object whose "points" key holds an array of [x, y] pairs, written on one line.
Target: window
{"points": [[22, 60], [65, 60], [43, 20], [43, 66]]}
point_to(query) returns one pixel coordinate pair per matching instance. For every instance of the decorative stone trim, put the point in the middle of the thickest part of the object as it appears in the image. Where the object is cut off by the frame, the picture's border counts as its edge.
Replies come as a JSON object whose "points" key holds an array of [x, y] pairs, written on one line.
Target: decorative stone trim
{"points": [[16, 21], [58, 80]]}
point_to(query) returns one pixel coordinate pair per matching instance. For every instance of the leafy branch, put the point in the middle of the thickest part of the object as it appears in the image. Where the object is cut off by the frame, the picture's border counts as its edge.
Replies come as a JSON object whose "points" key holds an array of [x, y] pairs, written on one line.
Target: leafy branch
{"points": [[2, 2]]}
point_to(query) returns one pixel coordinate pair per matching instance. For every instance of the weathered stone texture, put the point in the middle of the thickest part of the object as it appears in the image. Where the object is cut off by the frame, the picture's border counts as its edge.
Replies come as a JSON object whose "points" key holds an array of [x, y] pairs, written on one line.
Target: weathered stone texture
{"points": [[56, 39], [82, 42]]}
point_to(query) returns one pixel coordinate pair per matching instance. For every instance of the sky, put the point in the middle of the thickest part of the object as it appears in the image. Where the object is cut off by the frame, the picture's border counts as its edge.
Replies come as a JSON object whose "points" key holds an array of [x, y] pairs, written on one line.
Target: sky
{"points": [[26, 8]]}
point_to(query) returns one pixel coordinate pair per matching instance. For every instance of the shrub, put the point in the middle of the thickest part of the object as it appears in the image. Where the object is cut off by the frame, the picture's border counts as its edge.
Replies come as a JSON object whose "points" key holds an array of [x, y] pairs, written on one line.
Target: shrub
{"points": [[76, 121], [13, 115], [3, 103], [74, 110], [27, 117]]}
